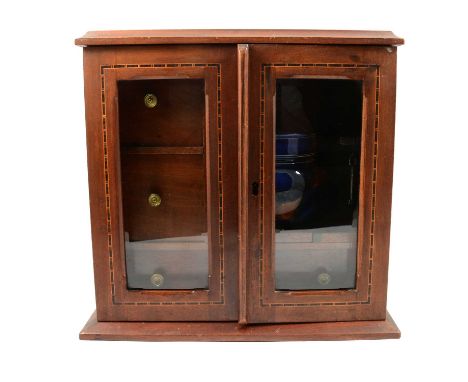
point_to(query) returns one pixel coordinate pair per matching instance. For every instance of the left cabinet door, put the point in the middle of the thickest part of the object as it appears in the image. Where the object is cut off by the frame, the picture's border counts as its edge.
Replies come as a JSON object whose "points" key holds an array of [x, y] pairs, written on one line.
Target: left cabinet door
{"points": [[162, 175]]}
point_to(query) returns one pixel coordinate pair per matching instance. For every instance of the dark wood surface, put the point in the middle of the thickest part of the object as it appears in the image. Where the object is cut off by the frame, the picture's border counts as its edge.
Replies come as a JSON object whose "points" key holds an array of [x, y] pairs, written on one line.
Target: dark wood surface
{"points": [[244, 188], [232, 331], [238, 36], [177, 120], [158, 150], [181, 213]]}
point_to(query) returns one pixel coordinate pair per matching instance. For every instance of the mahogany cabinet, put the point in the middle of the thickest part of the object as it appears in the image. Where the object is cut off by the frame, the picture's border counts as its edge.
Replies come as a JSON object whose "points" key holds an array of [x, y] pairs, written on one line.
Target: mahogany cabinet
{"points": [[240, 183]]}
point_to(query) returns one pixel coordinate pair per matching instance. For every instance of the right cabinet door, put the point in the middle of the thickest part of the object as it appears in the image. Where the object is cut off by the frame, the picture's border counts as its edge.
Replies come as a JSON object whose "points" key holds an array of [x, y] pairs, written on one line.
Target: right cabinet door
{"points": [[319, 158]]}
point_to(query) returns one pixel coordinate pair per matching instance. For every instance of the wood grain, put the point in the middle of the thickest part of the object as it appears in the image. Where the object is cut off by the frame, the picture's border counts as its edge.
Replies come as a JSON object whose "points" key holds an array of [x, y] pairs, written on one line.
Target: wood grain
{"points": [[244, 187], [177, 120], [162, 150], [181, 213], [234, 36], [232, 331]]}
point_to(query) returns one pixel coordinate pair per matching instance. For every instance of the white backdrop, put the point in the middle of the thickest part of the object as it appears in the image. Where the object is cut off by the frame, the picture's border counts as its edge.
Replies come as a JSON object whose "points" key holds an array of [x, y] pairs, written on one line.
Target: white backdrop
{"points": [[46, 281]]}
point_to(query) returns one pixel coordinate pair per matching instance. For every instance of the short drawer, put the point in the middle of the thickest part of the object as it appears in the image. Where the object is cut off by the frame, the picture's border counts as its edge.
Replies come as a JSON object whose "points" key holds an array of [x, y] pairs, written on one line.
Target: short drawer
{"points": [[320, 258], [162, 112], [180, 263], [180, 183]]}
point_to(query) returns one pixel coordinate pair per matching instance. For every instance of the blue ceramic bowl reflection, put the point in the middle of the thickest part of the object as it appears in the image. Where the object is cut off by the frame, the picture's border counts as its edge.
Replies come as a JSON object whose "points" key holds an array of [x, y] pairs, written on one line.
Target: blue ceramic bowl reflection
{"points": [[294, 156], [290, 186]]}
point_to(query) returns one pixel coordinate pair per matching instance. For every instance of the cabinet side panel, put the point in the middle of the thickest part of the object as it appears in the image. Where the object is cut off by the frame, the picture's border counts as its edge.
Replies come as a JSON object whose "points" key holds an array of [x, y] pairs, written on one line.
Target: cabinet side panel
{"points": [[97, 197], [384, 181]]}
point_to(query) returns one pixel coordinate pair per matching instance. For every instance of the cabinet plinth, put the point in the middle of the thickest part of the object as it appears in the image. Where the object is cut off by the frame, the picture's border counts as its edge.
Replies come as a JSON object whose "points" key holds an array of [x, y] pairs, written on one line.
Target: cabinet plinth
{"points": [[232, 331]]}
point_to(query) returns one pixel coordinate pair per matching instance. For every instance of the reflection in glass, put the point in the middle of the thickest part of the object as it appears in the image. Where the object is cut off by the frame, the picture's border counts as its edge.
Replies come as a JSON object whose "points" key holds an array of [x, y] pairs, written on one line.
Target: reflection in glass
{"points": [[163, 173], [318, 137]]}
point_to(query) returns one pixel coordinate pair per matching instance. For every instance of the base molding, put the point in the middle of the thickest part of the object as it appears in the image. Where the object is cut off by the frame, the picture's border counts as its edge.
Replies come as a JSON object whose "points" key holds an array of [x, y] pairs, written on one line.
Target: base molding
{"points": [[232, 331]]}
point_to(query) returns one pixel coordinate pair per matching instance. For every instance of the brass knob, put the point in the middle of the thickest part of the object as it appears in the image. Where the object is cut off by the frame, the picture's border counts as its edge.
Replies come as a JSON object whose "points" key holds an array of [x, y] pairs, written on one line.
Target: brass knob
{"points": [[150, 101], [157, 279], [324, 278], [154, 200]]}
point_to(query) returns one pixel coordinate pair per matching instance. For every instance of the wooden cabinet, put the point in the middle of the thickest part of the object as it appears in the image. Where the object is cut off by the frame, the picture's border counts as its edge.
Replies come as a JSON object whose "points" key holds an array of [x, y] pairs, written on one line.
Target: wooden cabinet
{"points": [[238, 178]]}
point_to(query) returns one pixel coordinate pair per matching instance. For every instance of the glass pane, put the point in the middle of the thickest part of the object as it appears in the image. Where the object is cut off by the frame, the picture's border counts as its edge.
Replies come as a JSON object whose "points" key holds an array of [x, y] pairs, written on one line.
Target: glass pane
{"points": [[318, 137], [161, 127]]}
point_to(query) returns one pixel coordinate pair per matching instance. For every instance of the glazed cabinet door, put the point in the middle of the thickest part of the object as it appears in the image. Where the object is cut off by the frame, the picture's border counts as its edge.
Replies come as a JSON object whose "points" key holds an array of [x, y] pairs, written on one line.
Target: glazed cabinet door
{"points": [[165, 200], [317, 142]]}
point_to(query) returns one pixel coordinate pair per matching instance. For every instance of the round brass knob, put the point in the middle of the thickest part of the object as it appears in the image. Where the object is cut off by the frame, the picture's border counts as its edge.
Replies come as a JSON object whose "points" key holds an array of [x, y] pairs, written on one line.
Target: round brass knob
{"points": [[157, 280], [154, 200], [151, 101], [324, 278]]}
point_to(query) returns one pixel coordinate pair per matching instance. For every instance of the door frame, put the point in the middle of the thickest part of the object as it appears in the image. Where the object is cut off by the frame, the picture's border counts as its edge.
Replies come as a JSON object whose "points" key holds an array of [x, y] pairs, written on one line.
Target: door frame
{"points": [[103, 68], [375, 66]]}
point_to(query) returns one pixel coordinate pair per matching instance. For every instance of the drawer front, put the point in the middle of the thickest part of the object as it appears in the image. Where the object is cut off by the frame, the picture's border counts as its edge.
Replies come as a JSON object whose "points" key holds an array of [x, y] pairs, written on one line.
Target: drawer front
{"points": [[320, 258], [179, 263], [179, 181], [162, 112]]}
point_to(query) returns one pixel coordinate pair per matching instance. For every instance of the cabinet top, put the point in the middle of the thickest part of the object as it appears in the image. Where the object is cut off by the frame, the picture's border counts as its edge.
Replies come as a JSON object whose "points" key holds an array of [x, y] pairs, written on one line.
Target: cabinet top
{"points": [[238, 36]]}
